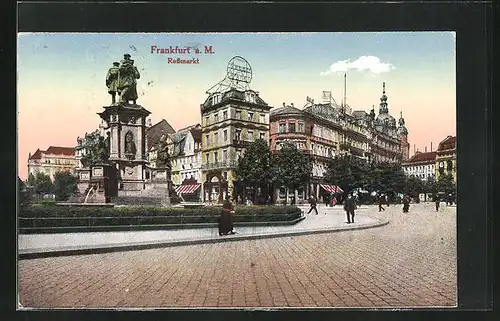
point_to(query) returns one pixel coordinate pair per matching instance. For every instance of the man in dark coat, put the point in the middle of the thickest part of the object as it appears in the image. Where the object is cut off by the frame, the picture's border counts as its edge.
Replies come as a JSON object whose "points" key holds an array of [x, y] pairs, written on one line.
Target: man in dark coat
{"points": [[349, 206], [313, 205], [406, 204], [437, 201], [381, 201]]}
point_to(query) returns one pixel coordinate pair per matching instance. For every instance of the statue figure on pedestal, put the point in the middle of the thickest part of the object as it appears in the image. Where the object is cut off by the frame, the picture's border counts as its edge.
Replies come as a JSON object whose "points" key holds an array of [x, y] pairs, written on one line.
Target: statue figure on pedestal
{"points": [[162, 156], [127, 80], [112, 81], [130, 148]]}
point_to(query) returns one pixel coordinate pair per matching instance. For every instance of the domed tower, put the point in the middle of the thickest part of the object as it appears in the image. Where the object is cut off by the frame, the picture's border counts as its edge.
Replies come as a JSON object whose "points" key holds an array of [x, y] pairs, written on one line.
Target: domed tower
{"points": [[403, 137], [385, 122]]}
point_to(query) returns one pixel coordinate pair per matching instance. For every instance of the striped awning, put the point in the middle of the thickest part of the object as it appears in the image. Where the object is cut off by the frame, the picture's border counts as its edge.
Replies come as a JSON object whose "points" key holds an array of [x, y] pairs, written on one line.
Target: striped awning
{"points": [[332, 188], [187, 189]]}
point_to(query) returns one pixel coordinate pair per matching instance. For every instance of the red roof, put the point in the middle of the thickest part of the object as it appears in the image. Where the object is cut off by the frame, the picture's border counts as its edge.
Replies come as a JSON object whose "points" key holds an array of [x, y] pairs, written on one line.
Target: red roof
{"points": [[54, 150], [423, 157], [449, 142], [37, 154]]}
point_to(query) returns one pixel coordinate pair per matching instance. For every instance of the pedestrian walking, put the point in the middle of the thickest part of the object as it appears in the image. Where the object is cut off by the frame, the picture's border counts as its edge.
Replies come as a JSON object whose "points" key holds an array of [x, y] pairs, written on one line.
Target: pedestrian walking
{"points": [[380, 200], [313, 203], [406, 204], [437, 201], [349, 207]]}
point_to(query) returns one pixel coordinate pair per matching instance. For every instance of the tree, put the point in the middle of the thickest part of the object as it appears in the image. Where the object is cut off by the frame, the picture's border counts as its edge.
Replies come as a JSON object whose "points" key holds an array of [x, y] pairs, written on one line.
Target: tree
{"points": [[65, 185], [43, 184], [414, 186], [256, 167], [24, 194], [31, 179], [292, 167], [445, 184], [344, 172]]}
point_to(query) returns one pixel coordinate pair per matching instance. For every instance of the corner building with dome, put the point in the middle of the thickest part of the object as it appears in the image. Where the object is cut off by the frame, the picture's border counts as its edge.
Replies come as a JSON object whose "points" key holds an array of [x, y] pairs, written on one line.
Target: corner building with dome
{"points": [[326, 130]]}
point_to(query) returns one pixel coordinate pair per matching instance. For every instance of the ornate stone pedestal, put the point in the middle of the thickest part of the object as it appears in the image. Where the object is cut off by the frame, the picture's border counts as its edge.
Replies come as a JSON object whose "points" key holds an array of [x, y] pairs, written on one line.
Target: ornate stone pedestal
{"points": [[127, 125]]}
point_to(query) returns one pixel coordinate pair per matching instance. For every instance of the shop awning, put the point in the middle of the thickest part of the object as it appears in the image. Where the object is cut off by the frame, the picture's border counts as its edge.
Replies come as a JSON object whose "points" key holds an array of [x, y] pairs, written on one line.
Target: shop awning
{"points": [[187, 189], [332, 188]]}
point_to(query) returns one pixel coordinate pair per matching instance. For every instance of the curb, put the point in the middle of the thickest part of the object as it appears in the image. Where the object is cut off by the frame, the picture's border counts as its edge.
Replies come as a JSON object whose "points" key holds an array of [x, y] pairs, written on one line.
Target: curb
{"points": [[99, 249]]}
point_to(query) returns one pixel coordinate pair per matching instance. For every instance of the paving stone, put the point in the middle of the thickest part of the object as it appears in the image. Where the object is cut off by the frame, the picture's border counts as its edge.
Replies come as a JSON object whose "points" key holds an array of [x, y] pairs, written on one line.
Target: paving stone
{"points": [[411, 262]]}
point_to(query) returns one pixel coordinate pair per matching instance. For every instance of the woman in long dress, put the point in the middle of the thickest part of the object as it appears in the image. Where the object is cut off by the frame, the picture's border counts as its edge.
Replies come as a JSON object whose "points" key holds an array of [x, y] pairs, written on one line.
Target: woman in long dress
{"points": [[226, 219]]}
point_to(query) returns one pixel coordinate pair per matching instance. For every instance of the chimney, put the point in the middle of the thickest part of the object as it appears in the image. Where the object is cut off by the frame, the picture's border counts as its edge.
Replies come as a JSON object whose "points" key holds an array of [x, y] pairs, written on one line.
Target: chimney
{"points": [[414, 147], [283, 104], [291, 104], [426, 149], [148, 122], [431, 146]]}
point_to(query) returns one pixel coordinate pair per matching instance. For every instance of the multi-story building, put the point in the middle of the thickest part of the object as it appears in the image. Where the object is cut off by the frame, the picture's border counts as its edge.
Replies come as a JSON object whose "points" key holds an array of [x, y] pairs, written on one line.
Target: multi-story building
{"points": [[185, 153], [327, 130], [54, 159], [421, 165], [231, 120], [446, 157]]}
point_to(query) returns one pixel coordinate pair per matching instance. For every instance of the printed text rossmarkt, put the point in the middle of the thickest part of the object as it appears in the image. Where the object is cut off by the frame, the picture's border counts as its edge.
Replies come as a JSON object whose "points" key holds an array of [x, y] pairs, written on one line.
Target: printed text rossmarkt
{"points": [[182, 50]]}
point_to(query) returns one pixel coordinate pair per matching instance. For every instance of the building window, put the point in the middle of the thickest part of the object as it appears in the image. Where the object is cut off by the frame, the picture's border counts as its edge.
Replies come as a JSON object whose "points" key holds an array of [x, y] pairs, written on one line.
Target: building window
{"points": [[216, 157], [238, 114], [250, 116], [224, 155], [224, 175], [216, 138], [238, 134], [282, 128], [224, 114], [291, 127], [301, 127], [207, 120], [250, 135], [207, 157], [216, 117], [262, 135], [225, 135], [207, 139], [262, 118]]}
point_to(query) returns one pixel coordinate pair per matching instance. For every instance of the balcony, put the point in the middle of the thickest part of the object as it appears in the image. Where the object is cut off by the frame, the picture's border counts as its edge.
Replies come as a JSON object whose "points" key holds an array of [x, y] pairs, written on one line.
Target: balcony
{"points": [[241, 142], [230, 163], [345, 146]]}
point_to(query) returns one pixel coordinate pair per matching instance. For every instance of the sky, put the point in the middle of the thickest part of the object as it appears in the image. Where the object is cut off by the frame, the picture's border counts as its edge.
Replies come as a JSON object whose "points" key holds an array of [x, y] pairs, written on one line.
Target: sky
{"points": [[61, 78]]}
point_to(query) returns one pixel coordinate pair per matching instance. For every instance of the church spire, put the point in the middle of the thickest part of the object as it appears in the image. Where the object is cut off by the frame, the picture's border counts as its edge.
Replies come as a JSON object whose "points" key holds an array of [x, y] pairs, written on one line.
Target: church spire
{"points": [[383, 102]]}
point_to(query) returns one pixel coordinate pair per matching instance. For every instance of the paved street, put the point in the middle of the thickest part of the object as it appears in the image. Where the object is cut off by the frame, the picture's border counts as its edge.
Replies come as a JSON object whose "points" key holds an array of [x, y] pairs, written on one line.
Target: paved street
{"points": [[409, 262]]}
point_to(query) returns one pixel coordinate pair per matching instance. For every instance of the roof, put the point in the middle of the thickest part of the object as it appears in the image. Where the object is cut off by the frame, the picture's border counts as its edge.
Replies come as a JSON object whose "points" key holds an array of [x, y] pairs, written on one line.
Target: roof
{"points": [[37, 154], [360, 114], [449, 142], [285, 110], [154, 132], [232, 94], [422, 157], [196, 132], [54, 150]]}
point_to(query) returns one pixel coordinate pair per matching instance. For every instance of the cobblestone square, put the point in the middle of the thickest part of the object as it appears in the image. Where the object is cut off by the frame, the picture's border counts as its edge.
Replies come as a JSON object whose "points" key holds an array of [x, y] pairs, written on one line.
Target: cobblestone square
{"points": [[411, 262]]}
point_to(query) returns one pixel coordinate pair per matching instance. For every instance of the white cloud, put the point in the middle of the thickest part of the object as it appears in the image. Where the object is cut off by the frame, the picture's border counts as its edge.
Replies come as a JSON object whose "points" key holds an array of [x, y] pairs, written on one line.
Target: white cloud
{"points": [[370, 63]]}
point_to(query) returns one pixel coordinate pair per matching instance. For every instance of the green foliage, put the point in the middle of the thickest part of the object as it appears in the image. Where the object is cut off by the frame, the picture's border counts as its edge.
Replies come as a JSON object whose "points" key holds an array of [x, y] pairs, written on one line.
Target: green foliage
{"points": [[292, 167], [256, 168], [31, 179], [51, 218], [65, 185], [81, 211], [43, 184], [414, 186], [445, 184], [24, 195]]}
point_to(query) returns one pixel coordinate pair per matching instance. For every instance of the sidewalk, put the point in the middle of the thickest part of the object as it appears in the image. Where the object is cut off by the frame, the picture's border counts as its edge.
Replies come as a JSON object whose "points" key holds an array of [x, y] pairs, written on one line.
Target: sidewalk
{"points": [[46, 245]]}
